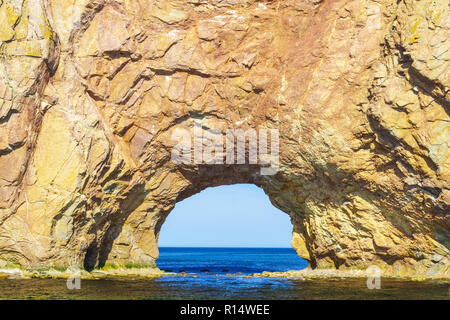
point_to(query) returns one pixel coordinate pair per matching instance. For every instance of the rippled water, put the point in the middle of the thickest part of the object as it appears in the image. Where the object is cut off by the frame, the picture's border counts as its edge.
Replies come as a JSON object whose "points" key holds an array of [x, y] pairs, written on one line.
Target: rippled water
{"points": [[220, 287], [221, 274], [229, 260]]}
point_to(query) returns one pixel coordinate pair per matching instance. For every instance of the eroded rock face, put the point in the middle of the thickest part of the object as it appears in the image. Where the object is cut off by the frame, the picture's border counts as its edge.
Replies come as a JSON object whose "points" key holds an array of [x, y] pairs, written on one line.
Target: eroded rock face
{"points": [[92, 91]]}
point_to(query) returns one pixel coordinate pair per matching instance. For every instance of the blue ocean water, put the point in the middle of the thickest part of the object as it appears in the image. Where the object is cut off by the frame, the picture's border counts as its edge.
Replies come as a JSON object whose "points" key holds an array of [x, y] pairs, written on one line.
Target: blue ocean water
{"points": [[229, 260], [222, 273]]}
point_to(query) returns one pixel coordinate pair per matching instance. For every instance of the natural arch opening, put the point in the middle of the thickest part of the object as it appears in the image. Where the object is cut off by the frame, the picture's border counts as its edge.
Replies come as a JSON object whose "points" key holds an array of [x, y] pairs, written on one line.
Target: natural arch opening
{"points": [[227, 229]]}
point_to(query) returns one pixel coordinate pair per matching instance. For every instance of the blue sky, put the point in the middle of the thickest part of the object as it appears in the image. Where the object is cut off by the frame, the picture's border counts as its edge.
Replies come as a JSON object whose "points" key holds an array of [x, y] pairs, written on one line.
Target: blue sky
{"points": [[227, 216]]}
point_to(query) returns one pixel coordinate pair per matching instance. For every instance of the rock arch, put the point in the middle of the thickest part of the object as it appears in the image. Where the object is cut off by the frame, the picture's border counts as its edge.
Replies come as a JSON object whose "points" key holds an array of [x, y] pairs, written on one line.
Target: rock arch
{"points": [[92, 92]]}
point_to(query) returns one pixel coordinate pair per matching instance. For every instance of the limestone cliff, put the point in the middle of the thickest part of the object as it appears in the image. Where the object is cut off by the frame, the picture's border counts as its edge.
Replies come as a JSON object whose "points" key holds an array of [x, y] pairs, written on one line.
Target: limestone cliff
{"points": [[92, 90]]}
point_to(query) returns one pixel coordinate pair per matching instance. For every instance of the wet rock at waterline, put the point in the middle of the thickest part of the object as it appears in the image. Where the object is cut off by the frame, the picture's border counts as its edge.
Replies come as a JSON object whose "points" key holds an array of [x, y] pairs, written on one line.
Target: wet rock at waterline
{"points": [[92, 91]]}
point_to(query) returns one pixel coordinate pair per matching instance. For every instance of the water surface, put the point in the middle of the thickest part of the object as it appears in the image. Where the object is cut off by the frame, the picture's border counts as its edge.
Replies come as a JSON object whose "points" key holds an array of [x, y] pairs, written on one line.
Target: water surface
{"points": [[223, 274], [229, 260]]}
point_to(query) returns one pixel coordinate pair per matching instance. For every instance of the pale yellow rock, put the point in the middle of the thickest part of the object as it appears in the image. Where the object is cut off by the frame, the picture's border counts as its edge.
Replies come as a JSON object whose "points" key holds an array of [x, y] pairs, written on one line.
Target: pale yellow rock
{"points": [[60, 169], [6, 30], [89, 42], [151, 104], [167, 13], [299, 243], [124, 81]]}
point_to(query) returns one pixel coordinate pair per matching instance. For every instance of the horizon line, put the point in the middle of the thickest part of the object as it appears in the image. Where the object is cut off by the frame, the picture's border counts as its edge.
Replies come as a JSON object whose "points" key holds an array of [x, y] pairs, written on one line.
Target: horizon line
{"points": [[227, 247]]}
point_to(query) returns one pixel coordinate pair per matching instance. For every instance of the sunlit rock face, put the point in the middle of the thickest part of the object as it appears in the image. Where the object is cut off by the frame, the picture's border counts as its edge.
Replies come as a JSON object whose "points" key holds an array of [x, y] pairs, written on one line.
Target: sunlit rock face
{"points": [[91, 92]]}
